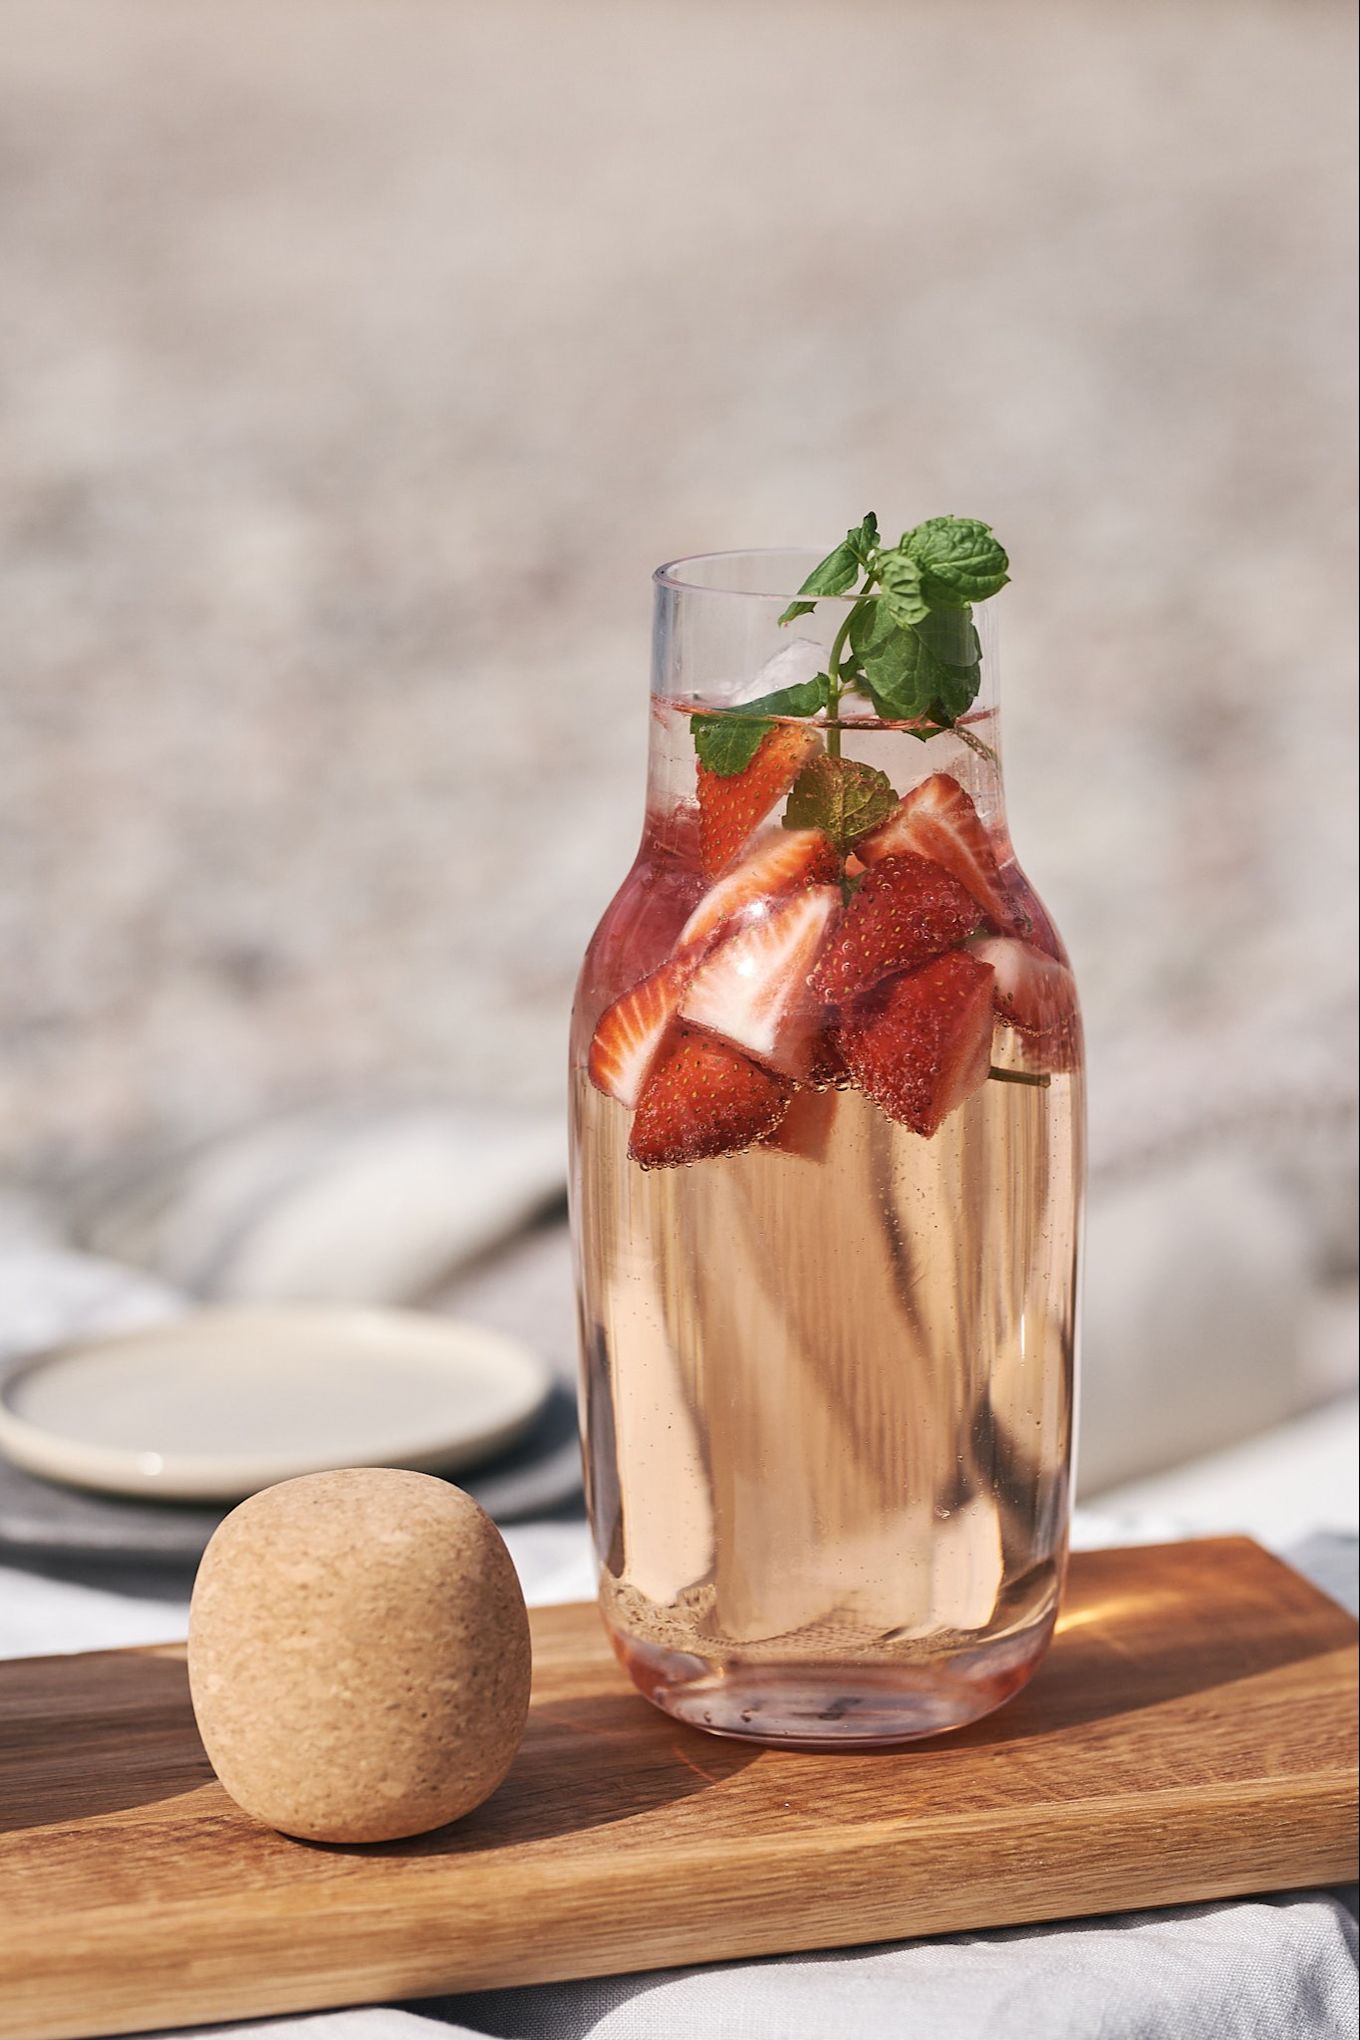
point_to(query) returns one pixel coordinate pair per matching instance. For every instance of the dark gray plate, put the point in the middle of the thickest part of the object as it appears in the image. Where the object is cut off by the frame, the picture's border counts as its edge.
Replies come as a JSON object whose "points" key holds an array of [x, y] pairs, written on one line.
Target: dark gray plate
{"points": [[40, 1520]]}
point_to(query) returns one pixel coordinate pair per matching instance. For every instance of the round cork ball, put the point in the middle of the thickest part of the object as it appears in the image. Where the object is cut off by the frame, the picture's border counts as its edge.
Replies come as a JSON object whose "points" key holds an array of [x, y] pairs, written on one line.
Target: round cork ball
{"points": [[359, 1655]]}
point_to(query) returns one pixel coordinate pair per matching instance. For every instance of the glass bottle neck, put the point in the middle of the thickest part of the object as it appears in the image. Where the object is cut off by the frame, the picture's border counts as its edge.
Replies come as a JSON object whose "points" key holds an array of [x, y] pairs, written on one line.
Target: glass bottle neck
{"points": [[720, 648]]}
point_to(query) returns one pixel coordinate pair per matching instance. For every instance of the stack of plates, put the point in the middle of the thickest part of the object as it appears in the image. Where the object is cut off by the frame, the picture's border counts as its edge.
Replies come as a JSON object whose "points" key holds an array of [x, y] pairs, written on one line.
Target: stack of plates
{"points": [[132, 1447]]}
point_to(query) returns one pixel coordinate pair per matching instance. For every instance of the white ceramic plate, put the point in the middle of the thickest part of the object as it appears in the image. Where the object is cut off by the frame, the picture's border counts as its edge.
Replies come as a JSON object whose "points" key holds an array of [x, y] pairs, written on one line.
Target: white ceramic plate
{"points": [[215, 1405]]}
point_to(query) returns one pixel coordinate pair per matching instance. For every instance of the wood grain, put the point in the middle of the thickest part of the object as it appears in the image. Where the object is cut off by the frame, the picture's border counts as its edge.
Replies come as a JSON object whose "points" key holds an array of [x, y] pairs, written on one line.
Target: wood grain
{"points": [[1191, 1735]]}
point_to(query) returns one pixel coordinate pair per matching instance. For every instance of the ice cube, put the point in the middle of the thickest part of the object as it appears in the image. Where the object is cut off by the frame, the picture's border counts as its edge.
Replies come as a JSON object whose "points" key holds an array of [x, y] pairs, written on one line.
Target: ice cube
{"points": [[790, 666]]}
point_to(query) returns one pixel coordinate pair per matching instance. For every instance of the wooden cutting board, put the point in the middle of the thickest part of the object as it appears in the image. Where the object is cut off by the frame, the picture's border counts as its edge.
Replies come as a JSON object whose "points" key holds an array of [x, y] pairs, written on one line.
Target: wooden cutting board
{"points": [[1191, 1735]]}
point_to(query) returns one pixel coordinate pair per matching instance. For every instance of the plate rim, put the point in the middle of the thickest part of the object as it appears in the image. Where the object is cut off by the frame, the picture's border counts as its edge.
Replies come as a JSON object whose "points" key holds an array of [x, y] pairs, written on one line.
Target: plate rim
{"points": [[230, 1477]]}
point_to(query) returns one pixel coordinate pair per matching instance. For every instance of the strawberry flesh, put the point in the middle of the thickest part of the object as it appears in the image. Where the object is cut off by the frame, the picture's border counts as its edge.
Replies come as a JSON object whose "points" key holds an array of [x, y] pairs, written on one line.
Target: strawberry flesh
{"points": [[631, 1033], [733, 806], [1035, 994], [704, 1099], [938, 820], [753, 989], [790, 857], [923, 1044], [1029, 918], [806, 1128], [828, 1063], [905, 910]]}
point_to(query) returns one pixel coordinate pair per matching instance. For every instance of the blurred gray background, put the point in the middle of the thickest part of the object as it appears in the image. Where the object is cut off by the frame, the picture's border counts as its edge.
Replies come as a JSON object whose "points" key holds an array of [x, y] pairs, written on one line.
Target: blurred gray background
{"points": [[359, 361]]}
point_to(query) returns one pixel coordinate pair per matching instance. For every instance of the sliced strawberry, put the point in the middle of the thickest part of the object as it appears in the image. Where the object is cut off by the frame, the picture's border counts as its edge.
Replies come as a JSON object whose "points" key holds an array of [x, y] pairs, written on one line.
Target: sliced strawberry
{"points": [[938, 820], [788, 858], [732, 808], [704, 1099], [632, 1031], [1029, 918], [904, 910], [805, 1129], [923, 1044], [1036, 994], [753, 988]]}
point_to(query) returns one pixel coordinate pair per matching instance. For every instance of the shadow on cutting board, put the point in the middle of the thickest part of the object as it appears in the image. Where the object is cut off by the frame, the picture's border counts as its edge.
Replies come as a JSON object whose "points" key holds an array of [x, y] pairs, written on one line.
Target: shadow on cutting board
{"points": [[94, 1734], [113, 1730]]}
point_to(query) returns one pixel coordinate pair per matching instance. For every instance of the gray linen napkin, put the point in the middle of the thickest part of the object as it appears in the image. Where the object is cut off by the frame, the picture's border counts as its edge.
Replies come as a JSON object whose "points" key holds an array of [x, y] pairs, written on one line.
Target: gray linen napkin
{"points": [[1272, 1969]]}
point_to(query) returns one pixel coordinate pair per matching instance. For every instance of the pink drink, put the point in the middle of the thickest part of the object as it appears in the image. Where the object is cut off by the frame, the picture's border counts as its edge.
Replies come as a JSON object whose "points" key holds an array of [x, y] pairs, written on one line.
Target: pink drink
{"points": [[828, 1370]]}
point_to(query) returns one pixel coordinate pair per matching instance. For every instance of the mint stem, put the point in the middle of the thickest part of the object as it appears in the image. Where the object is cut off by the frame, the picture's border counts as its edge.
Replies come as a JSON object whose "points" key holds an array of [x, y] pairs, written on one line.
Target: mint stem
{"points": [[833, 668], [1037, 1080], [975, 744]]}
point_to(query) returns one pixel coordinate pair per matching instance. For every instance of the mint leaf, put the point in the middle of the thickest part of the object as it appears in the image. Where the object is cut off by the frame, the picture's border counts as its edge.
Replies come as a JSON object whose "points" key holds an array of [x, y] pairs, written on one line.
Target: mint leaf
{"points": [[929, 671], [804, 699], [727, 739], [894, 663], [899, 579], [841, 797], [959, 559], [951, 637], [726, 744], [840, 570], [863, 540]]}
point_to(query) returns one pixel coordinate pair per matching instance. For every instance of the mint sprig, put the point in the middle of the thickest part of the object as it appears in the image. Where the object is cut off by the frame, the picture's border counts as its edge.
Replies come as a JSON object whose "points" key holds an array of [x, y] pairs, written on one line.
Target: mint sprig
{"points": [[912, 650], [907, 643]]}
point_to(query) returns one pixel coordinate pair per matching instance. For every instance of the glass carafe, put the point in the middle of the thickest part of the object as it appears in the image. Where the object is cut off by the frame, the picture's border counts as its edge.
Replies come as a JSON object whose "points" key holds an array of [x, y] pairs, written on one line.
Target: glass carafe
{"points": [[827, 1124]]}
